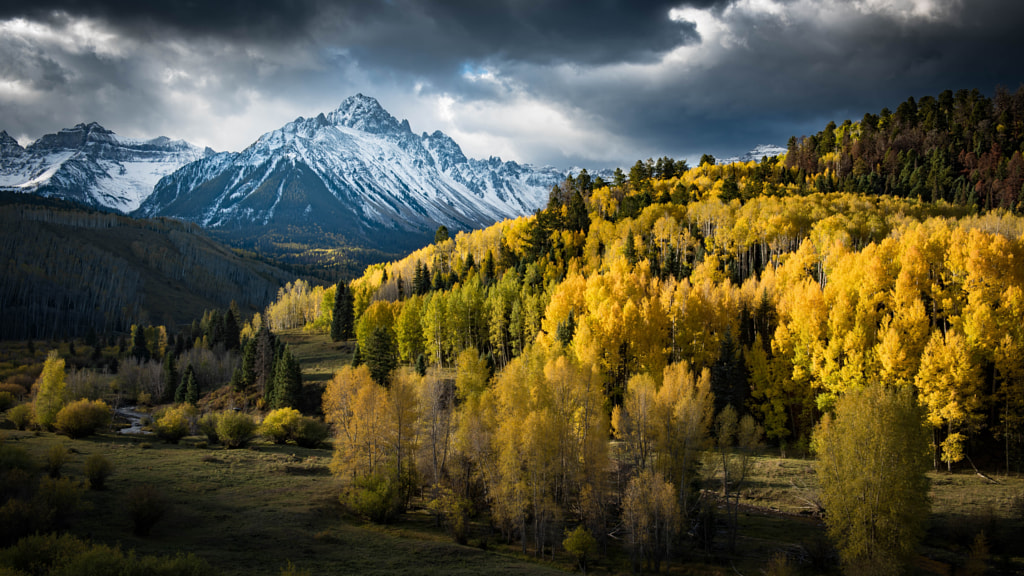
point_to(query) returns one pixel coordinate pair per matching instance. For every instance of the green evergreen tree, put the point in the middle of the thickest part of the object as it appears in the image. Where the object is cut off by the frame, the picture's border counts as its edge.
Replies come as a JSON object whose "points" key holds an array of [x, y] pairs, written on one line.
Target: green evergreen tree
{"points": [[287, 382], [191, 386], [421, 365], [139, 348], [247, 377], [441, 235], [232, 333], [343, 314], [630, 250], [170, 377], [357, 357], [382, 355]]}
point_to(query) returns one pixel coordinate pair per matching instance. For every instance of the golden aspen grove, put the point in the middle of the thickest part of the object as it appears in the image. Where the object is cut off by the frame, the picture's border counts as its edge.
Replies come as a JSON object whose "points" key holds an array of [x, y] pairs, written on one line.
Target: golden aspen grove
{"points": [[587, 359]]}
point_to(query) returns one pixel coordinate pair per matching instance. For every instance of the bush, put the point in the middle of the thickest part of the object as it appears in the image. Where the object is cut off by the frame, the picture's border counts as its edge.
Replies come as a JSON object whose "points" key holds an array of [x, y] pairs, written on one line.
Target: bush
{"points": [[6, 400], [15, 458], [235, 429], [376, 497], [61, 555], [278, 426], [59, 497], [56, 456], [581, 545], [83, 418], [310, 432], [176, 423], [97, 470], [20, 416], [147, 506], [16, 390], [208, 428]]}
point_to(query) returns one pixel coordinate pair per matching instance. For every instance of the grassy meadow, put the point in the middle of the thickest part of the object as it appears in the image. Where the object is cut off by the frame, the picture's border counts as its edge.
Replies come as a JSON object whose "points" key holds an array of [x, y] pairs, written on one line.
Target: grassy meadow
{"points": [[261, 509]]}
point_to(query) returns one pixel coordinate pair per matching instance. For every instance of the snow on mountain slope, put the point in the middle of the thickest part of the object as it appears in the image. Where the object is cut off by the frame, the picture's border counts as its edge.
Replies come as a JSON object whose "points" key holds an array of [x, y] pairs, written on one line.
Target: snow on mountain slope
{"points": [[755, 155], [92, 165], [356, 171]]}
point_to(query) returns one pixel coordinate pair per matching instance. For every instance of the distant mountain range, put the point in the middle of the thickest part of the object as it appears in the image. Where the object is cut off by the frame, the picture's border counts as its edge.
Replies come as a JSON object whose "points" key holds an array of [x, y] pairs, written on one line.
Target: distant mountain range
{"points": [[355, 176], [93, 166], [356, 172]]}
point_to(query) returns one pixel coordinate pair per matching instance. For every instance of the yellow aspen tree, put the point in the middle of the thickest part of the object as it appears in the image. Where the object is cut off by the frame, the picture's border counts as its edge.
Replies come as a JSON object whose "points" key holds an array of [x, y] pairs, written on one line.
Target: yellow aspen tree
{"points": [[949, 387], [871, 461], [50, 391], [684, 409], [356, 408]]}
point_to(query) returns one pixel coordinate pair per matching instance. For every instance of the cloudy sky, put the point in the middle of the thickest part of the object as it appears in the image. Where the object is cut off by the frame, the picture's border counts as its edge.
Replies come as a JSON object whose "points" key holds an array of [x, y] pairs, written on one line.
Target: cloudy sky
{"points": [[595, 83]]}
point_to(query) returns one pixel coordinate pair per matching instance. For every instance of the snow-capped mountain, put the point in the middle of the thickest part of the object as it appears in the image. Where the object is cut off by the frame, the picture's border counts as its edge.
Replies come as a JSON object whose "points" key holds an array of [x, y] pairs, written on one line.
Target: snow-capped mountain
{"points": [[755, 155], [93, 166], [356, 171]]}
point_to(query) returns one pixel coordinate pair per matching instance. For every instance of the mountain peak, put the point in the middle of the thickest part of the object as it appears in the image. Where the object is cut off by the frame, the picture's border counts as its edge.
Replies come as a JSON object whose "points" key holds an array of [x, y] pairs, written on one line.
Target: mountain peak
{"points": [[9, 146], [365, 113]]}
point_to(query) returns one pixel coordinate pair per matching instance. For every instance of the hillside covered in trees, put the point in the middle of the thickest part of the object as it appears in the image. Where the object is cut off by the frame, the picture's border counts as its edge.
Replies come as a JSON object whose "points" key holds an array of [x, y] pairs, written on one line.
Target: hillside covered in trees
{"points": [[683, 309], [70, 271]]}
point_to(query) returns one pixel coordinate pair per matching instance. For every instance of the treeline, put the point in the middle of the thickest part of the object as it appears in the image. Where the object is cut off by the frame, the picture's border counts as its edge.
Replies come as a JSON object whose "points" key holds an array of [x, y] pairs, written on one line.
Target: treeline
{"points": [[68, 271], [960, 147]]}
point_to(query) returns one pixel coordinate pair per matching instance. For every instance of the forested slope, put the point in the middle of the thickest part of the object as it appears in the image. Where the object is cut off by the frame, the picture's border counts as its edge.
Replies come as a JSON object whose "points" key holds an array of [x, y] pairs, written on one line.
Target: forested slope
{"points": [[68, 271]]}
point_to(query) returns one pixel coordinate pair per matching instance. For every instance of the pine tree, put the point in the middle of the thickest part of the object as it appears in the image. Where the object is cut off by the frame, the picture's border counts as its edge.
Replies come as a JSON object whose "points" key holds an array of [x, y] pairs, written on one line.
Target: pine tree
{"points": [[232, 333], [342, 320], [170, 377], [247, 376], [357, 357], [139, 348], [191, 386], [382, 355], [287, 382]]}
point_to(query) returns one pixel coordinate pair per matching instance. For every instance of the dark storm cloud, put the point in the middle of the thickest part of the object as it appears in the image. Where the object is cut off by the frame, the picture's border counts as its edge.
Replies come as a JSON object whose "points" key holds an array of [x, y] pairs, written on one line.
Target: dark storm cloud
{"points": [[599, 80], [405, 33], [414, 35], [221, 18], [779, 77]]}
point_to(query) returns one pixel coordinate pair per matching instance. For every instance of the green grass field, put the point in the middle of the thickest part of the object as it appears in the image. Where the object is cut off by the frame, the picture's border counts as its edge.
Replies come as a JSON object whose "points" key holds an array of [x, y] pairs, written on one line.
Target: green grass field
{"points": [[252, 511]]}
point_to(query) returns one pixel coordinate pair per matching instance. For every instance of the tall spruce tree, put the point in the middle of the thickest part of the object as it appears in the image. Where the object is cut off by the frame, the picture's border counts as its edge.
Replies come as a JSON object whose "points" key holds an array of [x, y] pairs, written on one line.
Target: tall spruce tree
{"points": [[342, 319], [287, 382], [139, 348], [232, 334], [381, 355], [191, 386], [170, 377]]}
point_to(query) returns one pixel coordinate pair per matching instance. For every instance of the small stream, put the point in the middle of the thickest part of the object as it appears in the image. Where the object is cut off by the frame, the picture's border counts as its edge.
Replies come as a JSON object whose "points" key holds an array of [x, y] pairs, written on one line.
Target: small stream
{"points": [[134, 417]]}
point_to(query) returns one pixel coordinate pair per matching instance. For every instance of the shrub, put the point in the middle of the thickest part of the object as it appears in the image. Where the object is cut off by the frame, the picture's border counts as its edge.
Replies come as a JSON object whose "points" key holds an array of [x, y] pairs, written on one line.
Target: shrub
{"points": [[310, 432], [376, 497], [20, 416], [59, 497], [581, 545], [235, 429], [279, 424], [15, 458], [97, 470], [147, 506], [208, 428], [56, 456], [66, 554], [6, 400], [83, 418], [176, 423], [16, 390]]}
